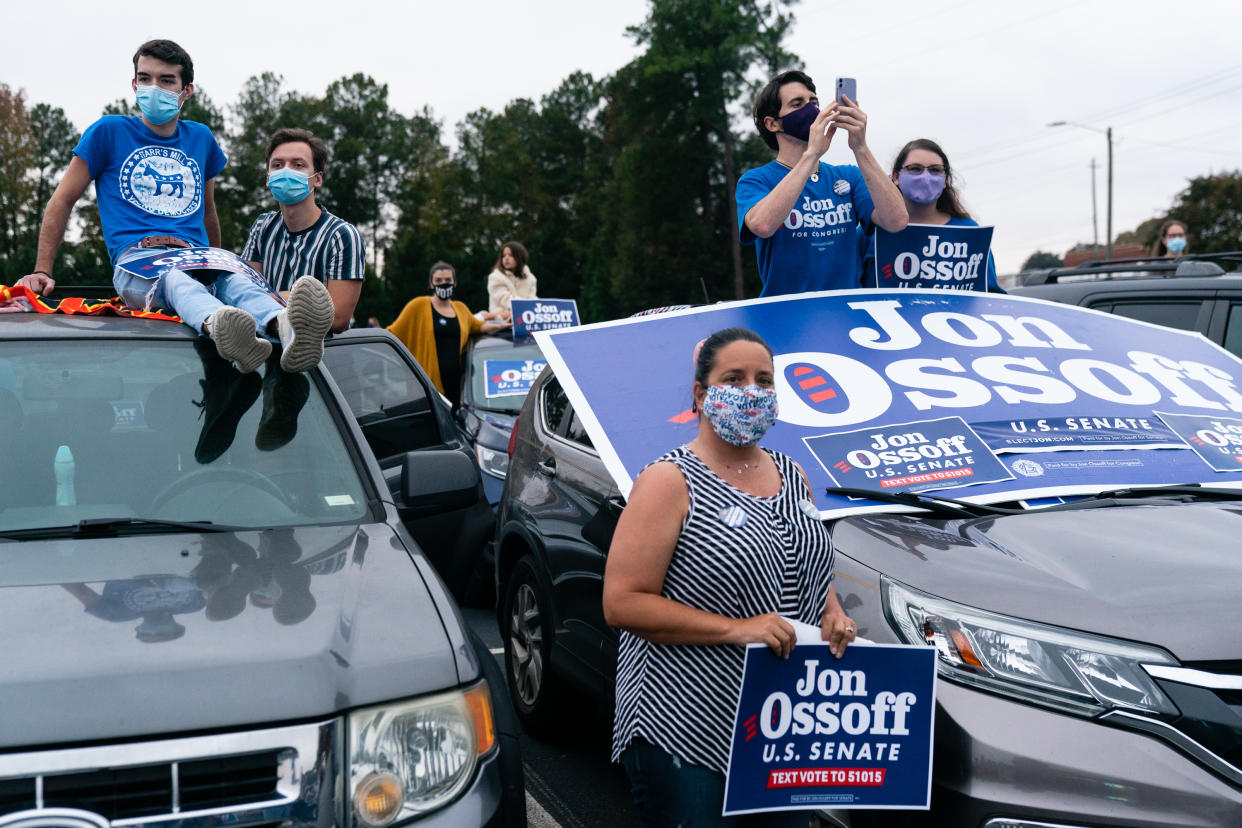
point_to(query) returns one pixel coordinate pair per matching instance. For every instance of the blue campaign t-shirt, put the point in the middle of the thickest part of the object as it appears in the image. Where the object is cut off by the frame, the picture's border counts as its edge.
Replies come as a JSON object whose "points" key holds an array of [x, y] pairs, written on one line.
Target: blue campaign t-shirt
{"points": [[816, 248], [146, 184], [866, 243]]}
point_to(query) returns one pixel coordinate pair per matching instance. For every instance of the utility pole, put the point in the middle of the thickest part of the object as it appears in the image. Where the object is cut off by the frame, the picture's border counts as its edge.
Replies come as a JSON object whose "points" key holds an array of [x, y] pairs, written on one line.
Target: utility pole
{"points": [[1095, 222], [1109, 240]]}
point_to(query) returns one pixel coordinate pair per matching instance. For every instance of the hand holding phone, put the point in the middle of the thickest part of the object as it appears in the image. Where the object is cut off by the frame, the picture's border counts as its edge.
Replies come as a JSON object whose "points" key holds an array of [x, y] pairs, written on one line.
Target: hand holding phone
{"points": [[846, 88]]}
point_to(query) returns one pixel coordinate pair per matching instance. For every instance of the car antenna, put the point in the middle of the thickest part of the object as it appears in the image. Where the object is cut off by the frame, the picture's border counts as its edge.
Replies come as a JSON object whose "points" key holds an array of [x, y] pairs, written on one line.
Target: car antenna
{"points": [[706, 299]]}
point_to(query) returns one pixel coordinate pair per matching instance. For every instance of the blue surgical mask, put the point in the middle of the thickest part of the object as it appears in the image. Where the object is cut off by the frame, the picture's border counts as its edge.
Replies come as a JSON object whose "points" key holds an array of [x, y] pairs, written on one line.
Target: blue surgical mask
{"points": [[288, 186], [740, 414], [797, 124], [1176, 245], [158, 105]]}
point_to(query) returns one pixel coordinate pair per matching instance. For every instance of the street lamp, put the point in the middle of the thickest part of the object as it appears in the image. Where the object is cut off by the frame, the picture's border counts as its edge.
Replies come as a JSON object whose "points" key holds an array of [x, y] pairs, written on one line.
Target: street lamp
{"points": [[1108, 132]]}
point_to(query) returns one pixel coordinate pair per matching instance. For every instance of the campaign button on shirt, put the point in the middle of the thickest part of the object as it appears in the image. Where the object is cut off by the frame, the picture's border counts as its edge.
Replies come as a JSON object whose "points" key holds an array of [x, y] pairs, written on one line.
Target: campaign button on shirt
{"points": [[733, 516], [808, 509]]}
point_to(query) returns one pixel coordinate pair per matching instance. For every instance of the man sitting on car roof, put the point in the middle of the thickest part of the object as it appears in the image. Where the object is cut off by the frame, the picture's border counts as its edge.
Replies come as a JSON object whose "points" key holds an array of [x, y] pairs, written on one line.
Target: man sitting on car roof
{"points": [[153, 179]]}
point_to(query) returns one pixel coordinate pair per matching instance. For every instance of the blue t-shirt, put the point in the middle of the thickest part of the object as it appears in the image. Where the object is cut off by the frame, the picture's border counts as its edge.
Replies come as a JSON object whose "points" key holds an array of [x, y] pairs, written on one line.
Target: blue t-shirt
{"points": [[866, 243], [148, 185], [816, 248]]}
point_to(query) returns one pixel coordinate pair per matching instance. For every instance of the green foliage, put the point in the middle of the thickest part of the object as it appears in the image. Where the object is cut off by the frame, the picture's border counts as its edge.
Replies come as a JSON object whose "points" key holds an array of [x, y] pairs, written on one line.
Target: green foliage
{"points": [[1041, 259], [1211, 207]]}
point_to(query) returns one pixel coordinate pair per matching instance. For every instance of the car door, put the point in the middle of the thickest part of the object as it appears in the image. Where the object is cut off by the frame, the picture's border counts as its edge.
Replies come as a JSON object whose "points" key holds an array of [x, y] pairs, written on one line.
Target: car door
{"points": [[399, 411], [578, 487]]}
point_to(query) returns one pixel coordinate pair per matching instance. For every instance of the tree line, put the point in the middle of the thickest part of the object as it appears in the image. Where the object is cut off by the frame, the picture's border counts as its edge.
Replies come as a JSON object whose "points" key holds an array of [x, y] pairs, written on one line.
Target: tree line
{"points": [[621, 187]]}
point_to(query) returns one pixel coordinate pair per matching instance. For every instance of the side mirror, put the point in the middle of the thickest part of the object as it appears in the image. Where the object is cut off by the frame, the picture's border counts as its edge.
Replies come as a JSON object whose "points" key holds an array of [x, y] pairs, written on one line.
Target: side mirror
{"points": [[439, 480]]}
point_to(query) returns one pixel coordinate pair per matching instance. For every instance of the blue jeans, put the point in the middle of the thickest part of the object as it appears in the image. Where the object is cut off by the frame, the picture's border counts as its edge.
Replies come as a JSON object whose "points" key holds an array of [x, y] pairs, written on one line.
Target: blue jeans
{"points": [[672, 792], [181, 293]]}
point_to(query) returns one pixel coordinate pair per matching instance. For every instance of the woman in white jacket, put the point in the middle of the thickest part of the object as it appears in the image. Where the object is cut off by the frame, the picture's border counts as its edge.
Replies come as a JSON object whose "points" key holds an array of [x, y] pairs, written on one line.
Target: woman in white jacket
{"points": [[509, 279]]}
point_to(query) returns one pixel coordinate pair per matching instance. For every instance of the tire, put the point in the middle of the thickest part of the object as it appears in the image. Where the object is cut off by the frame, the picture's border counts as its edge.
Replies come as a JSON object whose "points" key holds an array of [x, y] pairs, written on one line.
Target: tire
{"points": [[538, 694]]}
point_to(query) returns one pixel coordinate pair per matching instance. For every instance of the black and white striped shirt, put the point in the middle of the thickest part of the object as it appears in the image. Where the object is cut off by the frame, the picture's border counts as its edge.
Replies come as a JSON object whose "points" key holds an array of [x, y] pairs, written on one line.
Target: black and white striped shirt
{"points": [[738, 555], [331, 248]]}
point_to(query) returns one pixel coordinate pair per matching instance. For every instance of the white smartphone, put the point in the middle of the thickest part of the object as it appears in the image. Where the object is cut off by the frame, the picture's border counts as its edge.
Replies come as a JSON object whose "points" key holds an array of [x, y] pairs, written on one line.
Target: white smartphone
{"points": [[846, 87]]}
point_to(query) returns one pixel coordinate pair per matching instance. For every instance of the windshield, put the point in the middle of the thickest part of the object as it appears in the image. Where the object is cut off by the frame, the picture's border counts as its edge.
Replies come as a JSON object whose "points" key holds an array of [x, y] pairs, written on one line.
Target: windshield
{"points": [[165, 431], [500, 377]]}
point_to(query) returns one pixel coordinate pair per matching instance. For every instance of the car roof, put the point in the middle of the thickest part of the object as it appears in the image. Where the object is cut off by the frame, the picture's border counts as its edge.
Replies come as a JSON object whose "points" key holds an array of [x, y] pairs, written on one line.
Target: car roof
{"points": [[497, 342], [14, 326]]}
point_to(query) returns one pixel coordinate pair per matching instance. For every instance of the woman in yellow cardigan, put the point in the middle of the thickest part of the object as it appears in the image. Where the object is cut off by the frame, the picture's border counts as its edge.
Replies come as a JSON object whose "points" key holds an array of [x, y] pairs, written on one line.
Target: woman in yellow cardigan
{"points": [[436, 329]]}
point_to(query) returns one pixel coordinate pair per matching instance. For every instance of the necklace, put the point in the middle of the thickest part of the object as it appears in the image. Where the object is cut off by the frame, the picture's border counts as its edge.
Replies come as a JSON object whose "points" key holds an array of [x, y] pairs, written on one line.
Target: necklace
{"points": [[814, 175]]}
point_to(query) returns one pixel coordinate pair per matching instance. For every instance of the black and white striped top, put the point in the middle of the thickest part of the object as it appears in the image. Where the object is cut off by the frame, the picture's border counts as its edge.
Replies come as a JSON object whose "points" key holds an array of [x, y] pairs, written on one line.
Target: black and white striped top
{"points": [[331, 248], [737, 555]]}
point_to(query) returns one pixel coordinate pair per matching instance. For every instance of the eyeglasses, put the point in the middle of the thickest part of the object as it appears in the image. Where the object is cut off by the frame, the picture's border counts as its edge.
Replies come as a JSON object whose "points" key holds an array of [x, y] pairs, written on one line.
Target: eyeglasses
{"points": [[934, 169]]}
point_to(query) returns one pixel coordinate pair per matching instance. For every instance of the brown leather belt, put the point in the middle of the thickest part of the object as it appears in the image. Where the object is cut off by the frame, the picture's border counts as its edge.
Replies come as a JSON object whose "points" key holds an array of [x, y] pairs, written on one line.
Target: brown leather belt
{"points": [[163, 241]]}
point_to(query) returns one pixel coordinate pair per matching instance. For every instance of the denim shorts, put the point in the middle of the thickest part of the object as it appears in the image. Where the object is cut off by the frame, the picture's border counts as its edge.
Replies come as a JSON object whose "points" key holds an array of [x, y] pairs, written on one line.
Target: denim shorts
{"points": [[672, 792]]}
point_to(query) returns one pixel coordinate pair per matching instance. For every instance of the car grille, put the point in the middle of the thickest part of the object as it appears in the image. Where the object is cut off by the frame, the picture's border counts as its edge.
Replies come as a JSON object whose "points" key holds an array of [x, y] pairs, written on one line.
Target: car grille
{"points": [[223, 779]]}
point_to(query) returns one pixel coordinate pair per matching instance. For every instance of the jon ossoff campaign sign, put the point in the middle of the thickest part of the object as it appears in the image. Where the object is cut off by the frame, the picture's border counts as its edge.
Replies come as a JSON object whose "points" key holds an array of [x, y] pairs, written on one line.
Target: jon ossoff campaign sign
{"points": [[814, 731], [975, 395]]}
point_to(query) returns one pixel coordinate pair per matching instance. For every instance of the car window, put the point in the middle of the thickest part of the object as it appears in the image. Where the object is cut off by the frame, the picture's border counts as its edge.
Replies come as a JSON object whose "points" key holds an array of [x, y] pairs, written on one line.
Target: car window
{"points": [[1233, 329], [576, 432], [166, 430], [1181, 315], [501, 377], [375, 380], [554, 404]]}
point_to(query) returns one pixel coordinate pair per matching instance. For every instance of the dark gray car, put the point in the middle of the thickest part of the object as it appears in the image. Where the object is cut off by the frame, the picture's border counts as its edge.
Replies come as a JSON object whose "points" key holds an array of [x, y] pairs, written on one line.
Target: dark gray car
{"points": [[1090, 670], [214, 614]]}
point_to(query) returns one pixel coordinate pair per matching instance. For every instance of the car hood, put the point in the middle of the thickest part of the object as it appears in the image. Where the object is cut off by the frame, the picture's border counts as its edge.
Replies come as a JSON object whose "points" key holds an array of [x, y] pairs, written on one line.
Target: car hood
{"points": [[1162, 574], [154, 634]]}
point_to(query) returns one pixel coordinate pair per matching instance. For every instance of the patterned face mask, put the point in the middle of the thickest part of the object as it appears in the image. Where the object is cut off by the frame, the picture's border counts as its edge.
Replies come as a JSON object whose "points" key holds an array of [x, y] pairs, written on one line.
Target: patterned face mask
{"points": [[740, 415]]}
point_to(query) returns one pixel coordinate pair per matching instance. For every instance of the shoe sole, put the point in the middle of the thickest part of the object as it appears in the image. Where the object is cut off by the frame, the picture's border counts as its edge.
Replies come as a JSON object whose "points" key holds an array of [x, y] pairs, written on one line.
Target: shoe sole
{"points": [[310, 316], [233, 331]]}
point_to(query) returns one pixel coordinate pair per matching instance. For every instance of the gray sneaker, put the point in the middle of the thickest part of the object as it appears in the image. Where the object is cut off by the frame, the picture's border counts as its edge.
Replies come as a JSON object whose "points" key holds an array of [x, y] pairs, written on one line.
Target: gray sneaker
{"points": [[303, 325], [237, 340]]}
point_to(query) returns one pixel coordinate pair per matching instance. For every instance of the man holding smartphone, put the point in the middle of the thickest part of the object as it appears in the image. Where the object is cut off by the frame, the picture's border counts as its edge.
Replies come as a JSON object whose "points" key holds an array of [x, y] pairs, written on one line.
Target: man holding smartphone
{"points": [[801, 213]]}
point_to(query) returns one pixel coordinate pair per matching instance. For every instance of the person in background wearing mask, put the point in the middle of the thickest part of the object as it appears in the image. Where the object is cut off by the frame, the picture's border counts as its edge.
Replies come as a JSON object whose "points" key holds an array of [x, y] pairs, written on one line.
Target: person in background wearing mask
{"points": [[302, 238], [921, 171], [799, 212], [153, 180], [1172, 240], [719, 540], [436, 329]]}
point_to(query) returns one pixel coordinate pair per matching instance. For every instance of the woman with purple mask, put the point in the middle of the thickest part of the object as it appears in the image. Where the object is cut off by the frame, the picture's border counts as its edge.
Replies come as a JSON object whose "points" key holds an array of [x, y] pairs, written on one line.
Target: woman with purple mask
{"points": [[922, 172]]}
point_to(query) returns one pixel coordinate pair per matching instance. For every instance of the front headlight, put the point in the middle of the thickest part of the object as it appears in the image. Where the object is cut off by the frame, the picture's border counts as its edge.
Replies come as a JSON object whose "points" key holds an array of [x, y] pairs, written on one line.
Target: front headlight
{"points": [[410, 758], [495, 463], [1070, 671]]}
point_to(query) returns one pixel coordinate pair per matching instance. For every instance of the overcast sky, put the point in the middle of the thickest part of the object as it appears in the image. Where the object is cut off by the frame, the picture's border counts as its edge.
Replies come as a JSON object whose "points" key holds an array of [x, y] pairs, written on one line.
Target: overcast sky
{"points": [[983, 78]]}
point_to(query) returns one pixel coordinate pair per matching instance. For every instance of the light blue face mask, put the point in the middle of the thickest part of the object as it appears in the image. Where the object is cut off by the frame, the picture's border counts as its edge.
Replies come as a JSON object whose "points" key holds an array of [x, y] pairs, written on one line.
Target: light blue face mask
{"points": [[288, 186], [1176, 245], [159, 106]]}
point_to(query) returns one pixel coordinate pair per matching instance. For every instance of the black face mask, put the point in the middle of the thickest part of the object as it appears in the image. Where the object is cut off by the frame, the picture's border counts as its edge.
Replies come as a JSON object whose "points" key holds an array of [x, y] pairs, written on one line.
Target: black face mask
{"points": [[444, 291]]}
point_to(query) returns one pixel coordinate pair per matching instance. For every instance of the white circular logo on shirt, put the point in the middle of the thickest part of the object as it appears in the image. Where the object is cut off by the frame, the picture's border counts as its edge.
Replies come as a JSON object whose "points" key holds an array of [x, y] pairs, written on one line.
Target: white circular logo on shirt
{"points": [[161, 180], [841, 186]]}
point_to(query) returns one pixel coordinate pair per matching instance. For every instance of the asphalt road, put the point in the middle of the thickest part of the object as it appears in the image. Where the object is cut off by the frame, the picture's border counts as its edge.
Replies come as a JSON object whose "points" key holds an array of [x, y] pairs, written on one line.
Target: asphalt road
{"points": [[570, 781]]}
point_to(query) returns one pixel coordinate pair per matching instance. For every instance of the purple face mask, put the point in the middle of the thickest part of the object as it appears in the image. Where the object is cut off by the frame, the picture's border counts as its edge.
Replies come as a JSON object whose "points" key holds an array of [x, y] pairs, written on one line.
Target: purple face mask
{"points": [[921, 188], [797, 124]]}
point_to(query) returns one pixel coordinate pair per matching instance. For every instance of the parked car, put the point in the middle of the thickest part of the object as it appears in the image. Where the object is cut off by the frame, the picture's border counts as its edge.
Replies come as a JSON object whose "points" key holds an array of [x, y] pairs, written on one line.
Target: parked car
{"points": [[1200, 292], [497, 373], [1077, 714], [400, 411], [209, 624]]}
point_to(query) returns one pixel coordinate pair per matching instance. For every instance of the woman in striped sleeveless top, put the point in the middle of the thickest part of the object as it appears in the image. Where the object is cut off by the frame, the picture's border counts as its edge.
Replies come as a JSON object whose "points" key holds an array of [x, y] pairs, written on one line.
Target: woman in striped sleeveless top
{"points": [[719, 539]]}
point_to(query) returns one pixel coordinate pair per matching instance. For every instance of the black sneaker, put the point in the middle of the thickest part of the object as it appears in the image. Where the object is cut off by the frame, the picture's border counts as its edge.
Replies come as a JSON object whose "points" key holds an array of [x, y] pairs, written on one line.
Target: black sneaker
{"points": [[227, 396], [284, 394]]}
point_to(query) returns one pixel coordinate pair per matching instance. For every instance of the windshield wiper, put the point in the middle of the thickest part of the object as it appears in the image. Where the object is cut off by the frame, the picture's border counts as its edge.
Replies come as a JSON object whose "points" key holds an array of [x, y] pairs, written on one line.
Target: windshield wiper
{"points": [[107, 527], [930, 503]]}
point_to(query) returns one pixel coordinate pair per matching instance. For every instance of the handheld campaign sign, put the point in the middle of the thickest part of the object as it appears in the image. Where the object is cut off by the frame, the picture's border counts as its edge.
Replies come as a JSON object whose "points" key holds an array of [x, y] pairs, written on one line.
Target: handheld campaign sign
{"points": [[206, 260], [506, 377], [813, 730], [933, 256], [980, 396], [531, 315]]}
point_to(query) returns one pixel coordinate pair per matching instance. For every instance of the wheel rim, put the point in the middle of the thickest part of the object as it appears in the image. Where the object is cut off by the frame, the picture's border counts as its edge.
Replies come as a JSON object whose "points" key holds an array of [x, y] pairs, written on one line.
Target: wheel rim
{"points": [[526, 645]]}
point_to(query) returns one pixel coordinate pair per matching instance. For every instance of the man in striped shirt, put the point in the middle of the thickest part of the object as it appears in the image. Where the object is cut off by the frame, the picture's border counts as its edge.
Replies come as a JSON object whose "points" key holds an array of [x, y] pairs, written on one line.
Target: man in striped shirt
{"points": [[302, 238]]}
